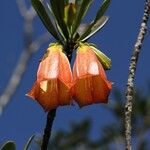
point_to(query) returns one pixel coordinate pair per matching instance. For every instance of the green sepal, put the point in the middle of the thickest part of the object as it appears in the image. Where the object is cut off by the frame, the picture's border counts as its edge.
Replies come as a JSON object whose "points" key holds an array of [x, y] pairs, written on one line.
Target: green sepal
{"points": [[82, 7], [39, 8], [9, 145], [57, 7], [104, 60], [26, 147]]}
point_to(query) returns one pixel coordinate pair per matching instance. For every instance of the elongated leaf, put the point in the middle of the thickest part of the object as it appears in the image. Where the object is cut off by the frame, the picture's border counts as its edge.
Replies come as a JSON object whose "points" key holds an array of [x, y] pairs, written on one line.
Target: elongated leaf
{"points": [[69, 14], [82, 8], [98, 22], [9, 145], [57, 7], [82, 28], [38, 6], [56, 23], [66, 2], [94, 28], [78, 2], [102, 10], [29, 142], [60, 31]]}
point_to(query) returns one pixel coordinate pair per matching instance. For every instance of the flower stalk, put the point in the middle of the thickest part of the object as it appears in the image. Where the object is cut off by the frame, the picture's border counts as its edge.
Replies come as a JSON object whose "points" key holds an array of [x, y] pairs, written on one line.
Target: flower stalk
{"points": [[52, 113], [48, 128]]}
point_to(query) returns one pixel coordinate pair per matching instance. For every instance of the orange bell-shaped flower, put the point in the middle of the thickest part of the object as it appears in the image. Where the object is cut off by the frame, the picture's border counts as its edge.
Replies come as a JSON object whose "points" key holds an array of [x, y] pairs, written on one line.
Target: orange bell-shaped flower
{"points": [[90, 82], [54, 77]]}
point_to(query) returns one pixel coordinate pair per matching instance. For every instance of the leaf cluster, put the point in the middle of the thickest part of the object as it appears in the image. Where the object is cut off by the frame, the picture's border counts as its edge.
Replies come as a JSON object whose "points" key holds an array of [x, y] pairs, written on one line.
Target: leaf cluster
{"points": [[64, 19]]}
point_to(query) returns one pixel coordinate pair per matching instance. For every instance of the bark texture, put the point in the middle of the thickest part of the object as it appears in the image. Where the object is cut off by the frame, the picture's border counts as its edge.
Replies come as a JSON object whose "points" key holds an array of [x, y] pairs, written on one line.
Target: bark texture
{"points": [[132, 69]]}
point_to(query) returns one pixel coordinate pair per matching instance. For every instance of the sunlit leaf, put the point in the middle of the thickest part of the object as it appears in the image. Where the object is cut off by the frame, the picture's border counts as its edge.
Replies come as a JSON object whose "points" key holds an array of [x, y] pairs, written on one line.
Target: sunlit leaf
{"points": [[38, 6], [9, 145], [69, 14]]}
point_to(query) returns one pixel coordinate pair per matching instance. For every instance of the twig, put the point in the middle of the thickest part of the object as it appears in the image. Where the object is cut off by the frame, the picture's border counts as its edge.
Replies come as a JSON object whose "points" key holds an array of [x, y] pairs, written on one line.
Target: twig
{"points": [[20, 69], [132, 69], [30, 48], [25, 13], [35, 45], [32, 11], [22, 7]]}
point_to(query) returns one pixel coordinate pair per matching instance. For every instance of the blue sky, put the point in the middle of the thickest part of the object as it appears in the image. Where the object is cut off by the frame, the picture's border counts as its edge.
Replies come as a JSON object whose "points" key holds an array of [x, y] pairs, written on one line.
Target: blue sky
{"points": [[24, 117]]}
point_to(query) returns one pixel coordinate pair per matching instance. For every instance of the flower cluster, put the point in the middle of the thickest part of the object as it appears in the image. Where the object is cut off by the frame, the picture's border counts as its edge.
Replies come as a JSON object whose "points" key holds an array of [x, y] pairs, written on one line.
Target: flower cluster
{"points": [[57, 85]]}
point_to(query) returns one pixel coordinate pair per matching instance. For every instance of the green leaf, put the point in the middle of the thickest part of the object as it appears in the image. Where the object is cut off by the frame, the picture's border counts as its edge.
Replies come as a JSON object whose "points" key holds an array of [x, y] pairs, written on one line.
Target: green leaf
{"points": [[82, 28], [57, 7], [93, 28], [104, 60], [69, 14], [102, 10], [29, 142], [9, 145], [56, 23], [39, 8], [66, 2], [98, 22], [82, 8]]}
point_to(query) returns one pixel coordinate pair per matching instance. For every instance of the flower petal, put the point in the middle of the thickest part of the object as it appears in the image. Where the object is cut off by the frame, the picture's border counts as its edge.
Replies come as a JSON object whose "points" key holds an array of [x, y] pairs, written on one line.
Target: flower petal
{"points": [[90, 81], [54, 80]]}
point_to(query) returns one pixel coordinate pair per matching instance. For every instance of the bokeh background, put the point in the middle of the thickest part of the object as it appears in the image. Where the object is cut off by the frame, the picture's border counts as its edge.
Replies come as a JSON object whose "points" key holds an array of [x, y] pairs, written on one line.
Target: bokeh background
{"points": [[23, 117]]}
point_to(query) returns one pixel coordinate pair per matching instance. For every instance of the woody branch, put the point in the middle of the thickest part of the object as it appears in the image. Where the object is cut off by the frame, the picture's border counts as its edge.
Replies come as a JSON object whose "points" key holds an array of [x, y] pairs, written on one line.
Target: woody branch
{"points": [[132, 69], [30, 47]]}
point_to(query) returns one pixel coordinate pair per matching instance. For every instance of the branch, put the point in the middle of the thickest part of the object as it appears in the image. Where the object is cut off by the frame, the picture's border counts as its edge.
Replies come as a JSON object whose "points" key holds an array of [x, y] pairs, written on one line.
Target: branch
{"points": [[22, 7], [25, 13], [30, 48], [132, 69], [35, 45], [32, 11], [20, 69]]}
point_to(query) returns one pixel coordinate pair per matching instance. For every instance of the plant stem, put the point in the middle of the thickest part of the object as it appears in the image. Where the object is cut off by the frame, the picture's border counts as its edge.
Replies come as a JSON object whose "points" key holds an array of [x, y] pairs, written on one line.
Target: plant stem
{"points": [[132, 69], [52, 113], [47, 131]]}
